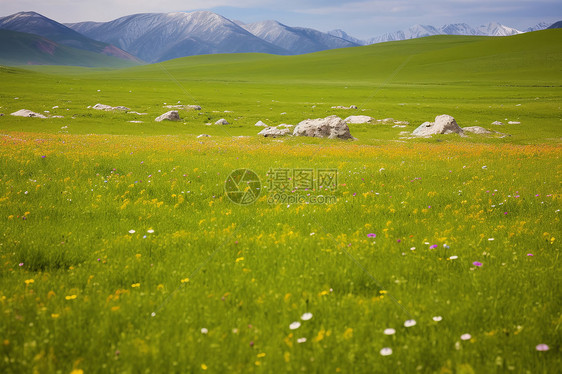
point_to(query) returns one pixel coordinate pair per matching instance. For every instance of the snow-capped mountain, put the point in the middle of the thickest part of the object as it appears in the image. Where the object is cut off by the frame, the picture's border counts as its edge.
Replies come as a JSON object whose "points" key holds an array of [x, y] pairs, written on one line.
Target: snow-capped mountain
{"points": [[419, 31], [345, 36], [163, 36], [538, 27], [34, 23], [297, 40]]}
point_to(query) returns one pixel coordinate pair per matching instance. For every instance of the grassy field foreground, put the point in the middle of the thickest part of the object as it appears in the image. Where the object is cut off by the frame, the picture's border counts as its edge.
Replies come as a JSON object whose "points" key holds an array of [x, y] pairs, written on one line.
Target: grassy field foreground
{"points": [[123, 254]]}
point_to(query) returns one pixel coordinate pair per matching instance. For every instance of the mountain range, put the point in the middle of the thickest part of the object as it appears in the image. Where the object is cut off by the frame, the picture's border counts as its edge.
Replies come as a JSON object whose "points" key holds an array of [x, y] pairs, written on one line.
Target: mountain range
{"points": [[155, 37]]}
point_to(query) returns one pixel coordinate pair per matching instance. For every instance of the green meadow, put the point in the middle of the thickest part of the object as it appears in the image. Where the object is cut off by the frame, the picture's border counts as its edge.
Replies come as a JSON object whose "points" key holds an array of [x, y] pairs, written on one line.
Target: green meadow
{"points": [[120, 251]]}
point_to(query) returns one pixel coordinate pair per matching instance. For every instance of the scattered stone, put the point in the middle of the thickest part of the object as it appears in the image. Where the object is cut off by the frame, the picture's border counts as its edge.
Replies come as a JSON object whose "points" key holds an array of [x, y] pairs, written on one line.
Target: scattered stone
{"points": [[260, 123], [388, 120], [140, 114], [285, 126], [497, 123], [135, 121], [27, 113], [332, 127], [109, 107], [55, 107], [477, 130], [344, 107], [358, 119], [274, 132], [203, 136], [401, 126], [444, 124], [184, 107], [222, 121], [401, 123], [514, 123], [56, 117], [172, 115]]}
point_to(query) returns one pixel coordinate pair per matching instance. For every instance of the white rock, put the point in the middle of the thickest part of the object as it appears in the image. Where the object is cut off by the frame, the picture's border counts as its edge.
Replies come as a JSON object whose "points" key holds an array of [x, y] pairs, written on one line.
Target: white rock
{"points": [[260, 123], [274, 132], [109, 107], [332, 127], [27, 113], [222, 121], [172, 115], [203, 136], [135, 121], [444, 124], [358, 119], [285, 126], [514, 123], [477, 130], [497, 123], [184, 107]]}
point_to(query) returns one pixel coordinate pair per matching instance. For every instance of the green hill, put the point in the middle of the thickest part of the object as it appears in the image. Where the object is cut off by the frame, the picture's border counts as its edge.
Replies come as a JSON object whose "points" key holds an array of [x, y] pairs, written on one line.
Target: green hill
{"points": [[19, 48]]}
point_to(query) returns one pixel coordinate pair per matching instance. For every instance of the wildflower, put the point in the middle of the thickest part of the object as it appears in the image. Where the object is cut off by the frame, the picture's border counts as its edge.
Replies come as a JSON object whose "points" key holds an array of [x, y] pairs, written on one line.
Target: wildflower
{"points": [[386, 351], [466, 337], [433, 246], [476, 263], [530, 254], [371, 235], [437, 318], [295, 325], [453, 257], [389, 331], [28, 281], [20, 264], [410, 323], [132, 231], [301, 340], [185, 280], [134, 285], [150, 231], [306, 316], [542, 347], [260, 355], [70, 297], [204, 331], [204, 367], [55, 315]]}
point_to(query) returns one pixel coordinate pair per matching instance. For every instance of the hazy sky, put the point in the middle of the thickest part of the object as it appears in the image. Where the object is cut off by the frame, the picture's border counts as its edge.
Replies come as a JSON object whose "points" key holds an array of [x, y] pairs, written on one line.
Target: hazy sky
{"points": [[359, 18]]}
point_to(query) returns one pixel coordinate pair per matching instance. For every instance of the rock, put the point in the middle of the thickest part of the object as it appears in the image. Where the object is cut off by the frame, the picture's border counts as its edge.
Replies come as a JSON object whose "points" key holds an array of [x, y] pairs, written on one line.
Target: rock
{"points": [[477, 130], [185, 107], [401, 126], [343, 107], [203, 136], [285, 126], [135, 121], [274, 132], [443, 124], [497, 123], [109, 107], [27, 113], [514, 123], [358, 119], [332, 127], [56, 117], [388, 120], [172, 115], [222, 121], [401, 123], [140, 114], [260, 123]]}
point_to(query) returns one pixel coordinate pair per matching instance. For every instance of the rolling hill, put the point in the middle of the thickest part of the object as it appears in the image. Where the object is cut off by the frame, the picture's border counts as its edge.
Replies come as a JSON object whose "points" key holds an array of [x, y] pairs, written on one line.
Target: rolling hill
{"points": [[20, 48]]}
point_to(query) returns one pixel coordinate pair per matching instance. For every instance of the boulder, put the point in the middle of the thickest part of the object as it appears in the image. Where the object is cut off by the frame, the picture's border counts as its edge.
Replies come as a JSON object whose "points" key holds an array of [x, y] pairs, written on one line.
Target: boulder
{"points": [[477, 130], [172, 115], [358, 119], [274, 132], [27, 113], [332, 127], [222, 121], [203, 136], [443, 124], [343, 107], [109, 107], [497, 123], [260, 123]]}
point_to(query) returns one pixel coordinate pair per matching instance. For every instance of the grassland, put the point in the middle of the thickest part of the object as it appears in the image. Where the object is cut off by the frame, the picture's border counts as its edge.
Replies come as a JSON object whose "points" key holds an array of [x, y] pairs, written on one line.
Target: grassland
{"points": [[121, 253]]}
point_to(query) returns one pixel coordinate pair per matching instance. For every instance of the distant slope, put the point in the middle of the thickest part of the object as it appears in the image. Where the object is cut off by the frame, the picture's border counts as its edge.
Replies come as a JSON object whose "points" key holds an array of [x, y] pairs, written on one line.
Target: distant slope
{"points": [[162, 36], [557, 25], [296, 40], [34, 23], [531, 57], [17, 48]]}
